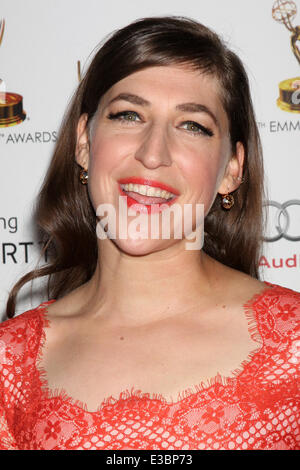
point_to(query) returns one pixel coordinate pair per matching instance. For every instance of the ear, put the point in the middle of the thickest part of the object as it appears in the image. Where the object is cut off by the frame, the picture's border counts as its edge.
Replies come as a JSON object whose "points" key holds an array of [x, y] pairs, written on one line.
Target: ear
{"points": [[82, 143], [233, 172]]}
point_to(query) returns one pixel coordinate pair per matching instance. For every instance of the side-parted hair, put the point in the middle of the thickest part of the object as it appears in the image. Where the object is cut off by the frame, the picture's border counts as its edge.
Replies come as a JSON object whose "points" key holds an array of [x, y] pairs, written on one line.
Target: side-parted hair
{"points": [[64, 214]]}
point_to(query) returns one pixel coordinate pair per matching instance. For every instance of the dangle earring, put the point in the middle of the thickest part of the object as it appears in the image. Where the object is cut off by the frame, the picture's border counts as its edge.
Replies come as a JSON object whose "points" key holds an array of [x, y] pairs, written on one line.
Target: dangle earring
{"points": [[227, 200], [83, 176]]}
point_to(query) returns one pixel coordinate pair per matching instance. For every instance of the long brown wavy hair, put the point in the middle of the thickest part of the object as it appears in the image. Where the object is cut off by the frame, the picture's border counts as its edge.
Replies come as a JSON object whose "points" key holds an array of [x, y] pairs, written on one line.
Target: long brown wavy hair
{"points": [[64, 214]]}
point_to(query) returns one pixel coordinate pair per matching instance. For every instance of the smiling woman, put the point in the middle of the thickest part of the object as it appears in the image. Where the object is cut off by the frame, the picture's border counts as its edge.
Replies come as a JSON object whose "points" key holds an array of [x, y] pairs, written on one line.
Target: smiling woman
{"points": [[142, 343]]}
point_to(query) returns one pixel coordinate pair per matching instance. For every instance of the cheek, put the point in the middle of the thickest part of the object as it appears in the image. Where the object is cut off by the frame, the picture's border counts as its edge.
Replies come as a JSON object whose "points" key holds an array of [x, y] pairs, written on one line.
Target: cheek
{"points": [[103, 161], [200, 174], [102, 150], [109, 152]]}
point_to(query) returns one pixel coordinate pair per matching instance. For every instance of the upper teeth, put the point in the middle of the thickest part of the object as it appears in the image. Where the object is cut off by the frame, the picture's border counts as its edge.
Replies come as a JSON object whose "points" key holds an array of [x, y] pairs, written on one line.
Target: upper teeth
{"points": [[147, 190]]}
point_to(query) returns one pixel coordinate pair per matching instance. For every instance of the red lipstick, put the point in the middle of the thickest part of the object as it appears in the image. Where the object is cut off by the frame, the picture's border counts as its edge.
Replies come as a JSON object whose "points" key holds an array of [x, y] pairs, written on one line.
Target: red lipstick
{"points": [[147, 204], [155, 184]]}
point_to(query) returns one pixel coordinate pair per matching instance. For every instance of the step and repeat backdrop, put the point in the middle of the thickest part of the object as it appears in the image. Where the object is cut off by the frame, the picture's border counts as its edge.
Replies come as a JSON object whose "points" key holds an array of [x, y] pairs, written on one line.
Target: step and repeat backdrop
{"points": [[40, 46]]}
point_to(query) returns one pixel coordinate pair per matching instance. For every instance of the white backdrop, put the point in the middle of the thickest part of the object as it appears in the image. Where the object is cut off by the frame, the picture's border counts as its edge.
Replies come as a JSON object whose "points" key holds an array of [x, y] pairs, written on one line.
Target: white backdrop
{"points": [[41, 45]]}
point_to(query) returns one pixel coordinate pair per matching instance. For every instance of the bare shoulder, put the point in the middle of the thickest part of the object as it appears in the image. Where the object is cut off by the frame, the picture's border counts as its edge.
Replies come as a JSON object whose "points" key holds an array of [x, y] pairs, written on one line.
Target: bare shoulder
{"points": [[63, 327], [64, 320], [67, 306], [235, 286], [245, 287]]}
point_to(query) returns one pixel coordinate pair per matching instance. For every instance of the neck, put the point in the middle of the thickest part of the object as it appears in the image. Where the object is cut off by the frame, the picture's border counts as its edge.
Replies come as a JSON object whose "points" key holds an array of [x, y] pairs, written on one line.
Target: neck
{"points": [[135, 290]]}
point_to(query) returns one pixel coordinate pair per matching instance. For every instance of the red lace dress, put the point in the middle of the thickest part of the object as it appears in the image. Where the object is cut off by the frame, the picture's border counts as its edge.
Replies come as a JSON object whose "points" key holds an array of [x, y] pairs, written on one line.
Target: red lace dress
{"points": [[257, 408]]}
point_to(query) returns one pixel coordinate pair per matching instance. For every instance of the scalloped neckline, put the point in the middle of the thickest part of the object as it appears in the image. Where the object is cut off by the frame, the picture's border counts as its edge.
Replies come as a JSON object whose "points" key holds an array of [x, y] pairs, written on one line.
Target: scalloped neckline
{"points": [[138, 396]]}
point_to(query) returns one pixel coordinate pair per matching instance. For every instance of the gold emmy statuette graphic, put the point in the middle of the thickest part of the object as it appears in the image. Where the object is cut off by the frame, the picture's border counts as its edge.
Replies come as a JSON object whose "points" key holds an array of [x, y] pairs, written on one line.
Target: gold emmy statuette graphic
{"points": [[289, 90], [11, 104]]}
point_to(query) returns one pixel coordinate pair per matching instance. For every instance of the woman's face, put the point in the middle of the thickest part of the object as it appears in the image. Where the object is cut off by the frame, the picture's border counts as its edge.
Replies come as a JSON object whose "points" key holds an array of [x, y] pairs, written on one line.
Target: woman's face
{"points": [[164, 123]]}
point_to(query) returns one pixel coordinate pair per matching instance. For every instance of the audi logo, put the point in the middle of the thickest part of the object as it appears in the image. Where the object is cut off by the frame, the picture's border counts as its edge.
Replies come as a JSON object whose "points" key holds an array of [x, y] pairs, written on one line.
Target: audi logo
{"points": [[282, 219]]}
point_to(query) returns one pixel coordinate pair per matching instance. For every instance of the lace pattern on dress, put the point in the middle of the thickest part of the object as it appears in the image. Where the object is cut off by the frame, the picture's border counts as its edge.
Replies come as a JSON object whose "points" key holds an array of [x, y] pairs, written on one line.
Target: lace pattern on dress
{"points": [[257, 408]]}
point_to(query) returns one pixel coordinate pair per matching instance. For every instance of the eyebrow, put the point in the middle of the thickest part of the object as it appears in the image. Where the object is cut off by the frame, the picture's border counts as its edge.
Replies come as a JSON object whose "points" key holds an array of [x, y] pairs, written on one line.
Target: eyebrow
{"points": [[185, 107]]}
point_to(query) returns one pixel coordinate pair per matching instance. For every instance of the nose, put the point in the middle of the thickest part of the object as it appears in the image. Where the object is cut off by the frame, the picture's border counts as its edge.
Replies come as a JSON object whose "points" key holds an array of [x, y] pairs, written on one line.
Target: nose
{"points": [[154, 150]]}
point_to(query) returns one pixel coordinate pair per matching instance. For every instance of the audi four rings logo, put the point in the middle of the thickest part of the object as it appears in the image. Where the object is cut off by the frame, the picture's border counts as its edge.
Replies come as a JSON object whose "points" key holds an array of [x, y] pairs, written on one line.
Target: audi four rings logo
{"points": [[282, 220]]}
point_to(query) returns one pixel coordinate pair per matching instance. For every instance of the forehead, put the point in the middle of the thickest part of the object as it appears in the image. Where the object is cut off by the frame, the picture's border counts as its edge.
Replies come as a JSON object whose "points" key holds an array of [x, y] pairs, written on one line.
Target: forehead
{"points": [[174, 84]]}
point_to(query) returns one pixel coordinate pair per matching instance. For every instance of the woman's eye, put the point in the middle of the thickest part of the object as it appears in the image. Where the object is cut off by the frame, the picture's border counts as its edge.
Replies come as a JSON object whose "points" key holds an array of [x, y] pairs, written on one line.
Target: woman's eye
{"points": [[123, 116], [130, 116], [197, 129]]}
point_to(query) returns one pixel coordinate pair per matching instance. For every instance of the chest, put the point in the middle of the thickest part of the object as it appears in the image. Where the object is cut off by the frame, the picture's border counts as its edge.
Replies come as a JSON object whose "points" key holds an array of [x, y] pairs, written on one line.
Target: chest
{"points": [[165, 360]]}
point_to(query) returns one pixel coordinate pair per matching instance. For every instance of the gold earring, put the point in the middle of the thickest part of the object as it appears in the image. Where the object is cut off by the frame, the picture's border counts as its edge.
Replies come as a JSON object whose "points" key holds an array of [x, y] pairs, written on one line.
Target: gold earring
{"points": [[83, 176], [227, 200]]}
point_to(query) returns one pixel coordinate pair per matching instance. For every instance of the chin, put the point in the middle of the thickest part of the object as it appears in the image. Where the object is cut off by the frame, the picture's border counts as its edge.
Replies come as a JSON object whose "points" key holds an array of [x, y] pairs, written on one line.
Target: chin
{"points": [[140, 247]]}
